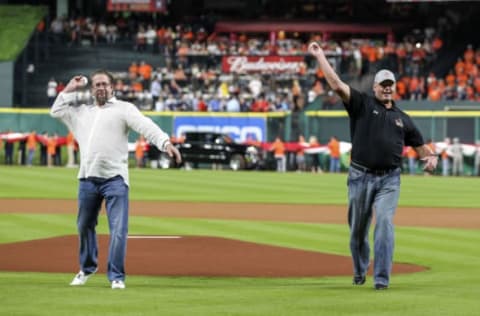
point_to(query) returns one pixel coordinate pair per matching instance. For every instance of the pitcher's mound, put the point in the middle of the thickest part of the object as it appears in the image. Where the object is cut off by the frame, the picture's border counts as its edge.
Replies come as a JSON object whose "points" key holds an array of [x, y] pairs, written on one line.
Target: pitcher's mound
{"points": [[183, 256]]}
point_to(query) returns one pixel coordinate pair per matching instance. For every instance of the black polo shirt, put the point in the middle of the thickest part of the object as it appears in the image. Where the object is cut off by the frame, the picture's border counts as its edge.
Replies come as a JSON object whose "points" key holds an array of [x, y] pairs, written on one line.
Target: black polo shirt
{"points": [[379, 134]]}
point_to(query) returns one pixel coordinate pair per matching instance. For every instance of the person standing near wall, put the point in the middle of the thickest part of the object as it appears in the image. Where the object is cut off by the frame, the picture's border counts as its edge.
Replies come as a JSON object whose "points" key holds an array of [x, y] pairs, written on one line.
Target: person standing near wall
{"points": [[379, 130], [334, 147], [8, 146], [445, 158], [101, 129], [315, 160], [457, 157], [278, 148], [70, 142], [300, 154], [31, 147], [51, 150], [412, 160], [476, 162]]}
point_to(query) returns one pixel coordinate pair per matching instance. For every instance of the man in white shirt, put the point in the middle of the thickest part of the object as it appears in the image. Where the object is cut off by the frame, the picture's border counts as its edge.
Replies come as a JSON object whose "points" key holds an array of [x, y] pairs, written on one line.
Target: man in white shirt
{"points": [[101, 130]]}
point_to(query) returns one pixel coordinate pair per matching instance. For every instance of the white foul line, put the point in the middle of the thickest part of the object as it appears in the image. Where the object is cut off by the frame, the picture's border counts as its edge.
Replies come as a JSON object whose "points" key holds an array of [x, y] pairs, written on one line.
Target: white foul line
{"points": [[153, 237]]}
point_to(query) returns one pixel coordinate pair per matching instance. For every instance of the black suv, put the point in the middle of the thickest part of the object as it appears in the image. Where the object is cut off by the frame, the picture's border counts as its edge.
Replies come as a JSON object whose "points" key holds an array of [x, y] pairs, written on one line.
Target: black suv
{"points": [[210, 147]]}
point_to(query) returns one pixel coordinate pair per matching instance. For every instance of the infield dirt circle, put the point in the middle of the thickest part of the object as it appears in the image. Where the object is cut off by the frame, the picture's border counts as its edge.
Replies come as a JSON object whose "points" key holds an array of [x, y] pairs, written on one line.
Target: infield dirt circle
{"points": [[210, 256]]}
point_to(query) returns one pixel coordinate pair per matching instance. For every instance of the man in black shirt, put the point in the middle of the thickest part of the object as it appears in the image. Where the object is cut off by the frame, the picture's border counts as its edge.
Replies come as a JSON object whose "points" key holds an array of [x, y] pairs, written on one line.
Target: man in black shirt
{"points": [[379, 130]]}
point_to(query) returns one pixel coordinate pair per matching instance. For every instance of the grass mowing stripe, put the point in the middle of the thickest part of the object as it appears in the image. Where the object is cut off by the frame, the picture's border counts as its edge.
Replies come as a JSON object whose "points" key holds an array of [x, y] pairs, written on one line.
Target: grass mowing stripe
{"points": [[226, 186], [443, 238], [18, 227]]}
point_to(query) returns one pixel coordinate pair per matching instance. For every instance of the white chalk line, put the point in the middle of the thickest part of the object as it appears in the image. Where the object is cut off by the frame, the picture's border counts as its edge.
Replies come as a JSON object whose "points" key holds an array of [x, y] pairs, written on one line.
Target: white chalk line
{"points": [[153, 237]]}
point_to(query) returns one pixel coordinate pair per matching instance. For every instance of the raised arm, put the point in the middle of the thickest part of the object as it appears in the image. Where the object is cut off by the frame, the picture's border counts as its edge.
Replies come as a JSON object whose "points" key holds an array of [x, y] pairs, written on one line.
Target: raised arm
{"points": [[60, 108], [337, 85]]}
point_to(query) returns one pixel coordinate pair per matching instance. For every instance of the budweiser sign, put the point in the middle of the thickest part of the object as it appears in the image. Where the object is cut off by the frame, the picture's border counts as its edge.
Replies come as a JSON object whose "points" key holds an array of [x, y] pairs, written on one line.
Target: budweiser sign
{"points": [[265, 64]]}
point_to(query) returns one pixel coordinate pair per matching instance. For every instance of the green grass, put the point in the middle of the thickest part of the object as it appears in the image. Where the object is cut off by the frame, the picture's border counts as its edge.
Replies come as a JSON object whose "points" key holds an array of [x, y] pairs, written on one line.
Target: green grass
{"points": [[227, 186], [451, 286], [18, 23]]}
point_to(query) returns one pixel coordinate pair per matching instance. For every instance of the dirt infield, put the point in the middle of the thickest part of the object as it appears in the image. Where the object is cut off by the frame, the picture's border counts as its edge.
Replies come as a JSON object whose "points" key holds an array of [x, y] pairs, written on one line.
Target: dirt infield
{"points": [[183, 256], [406, 216], [209, 256]]}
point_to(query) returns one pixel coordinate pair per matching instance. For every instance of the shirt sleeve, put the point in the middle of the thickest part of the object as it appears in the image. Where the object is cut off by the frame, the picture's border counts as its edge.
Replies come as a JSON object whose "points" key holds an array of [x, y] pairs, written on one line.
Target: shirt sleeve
{"points": [[146, 127], [413, 137], [355, 105], [61, 107]]}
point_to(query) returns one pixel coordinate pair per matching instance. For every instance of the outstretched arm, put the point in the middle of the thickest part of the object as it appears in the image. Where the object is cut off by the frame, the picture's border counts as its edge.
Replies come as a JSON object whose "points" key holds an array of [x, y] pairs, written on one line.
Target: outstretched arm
{"points": [[152, 132], [337, 85]]}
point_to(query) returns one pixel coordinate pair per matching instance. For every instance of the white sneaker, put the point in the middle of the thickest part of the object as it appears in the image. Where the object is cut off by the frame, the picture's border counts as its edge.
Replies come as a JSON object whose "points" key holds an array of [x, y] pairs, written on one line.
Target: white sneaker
{"points": [[118, 284], [81, 278]]}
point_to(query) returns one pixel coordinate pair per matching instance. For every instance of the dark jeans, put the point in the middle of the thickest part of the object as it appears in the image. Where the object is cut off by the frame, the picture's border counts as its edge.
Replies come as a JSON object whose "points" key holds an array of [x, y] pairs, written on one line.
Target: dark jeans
{"points": [[367, 193], [91, 193]]}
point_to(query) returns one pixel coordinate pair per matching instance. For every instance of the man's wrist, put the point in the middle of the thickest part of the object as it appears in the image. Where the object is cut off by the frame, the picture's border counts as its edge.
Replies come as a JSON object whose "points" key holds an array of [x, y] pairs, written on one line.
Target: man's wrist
{"points": [[165, 145]]}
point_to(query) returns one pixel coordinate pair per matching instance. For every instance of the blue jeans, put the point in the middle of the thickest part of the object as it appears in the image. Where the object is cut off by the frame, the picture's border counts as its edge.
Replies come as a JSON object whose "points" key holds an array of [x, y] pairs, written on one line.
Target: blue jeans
{"points": [[367, 193], [445, 166], [31, 153], [412, 165], [91, 193], [334, 164]]}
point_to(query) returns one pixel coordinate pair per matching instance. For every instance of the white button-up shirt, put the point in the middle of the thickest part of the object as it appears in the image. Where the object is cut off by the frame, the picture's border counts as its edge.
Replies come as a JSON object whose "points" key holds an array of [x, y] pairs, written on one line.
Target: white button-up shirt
{"points": [[102, 134]]}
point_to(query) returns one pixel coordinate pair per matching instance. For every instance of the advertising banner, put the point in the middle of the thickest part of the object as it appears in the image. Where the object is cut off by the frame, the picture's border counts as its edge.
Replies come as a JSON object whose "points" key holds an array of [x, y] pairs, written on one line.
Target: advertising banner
{"points": [[240, 129], [263, 64], [137, 5]]}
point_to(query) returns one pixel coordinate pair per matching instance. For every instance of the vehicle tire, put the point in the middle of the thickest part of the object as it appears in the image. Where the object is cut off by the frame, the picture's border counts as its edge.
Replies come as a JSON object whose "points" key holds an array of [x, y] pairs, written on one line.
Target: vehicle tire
{"points": [[237, 162]]}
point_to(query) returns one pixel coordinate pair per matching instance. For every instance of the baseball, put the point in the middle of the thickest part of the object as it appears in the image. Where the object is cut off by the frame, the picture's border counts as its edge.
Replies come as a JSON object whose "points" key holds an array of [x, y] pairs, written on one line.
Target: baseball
{"points": [[84, 80]]}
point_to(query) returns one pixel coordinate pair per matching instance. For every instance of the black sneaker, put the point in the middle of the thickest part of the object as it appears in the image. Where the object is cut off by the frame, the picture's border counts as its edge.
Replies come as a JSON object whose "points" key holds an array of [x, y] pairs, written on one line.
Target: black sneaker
{"points": [[381, 287], [359, 280]]}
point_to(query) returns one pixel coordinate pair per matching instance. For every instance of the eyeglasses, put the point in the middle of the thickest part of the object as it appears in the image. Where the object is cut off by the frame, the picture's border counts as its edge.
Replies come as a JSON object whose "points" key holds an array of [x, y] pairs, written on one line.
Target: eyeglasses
{"points": [[387, 83]]}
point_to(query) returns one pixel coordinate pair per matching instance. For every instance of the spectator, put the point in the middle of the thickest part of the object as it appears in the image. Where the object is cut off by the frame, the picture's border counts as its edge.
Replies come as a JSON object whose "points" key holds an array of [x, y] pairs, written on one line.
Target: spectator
{"points": [[233, 105], [457, 156], [22, 152], [51, 90], [334, 147], [112, 33], [51, 150], [255, 86], [155, 90], [300, 155], [150, 39], [278, 148], [315, 160], [31, 147], [445, 159], [70, 142], [476, 163], [412, 160], [8, 147], [140, 149]]}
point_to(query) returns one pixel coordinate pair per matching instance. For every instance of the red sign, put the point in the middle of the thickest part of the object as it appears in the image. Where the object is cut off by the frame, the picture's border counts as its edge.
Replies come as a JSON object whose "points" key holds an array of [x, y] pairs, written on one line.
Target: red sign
{"points": [[264, 64], [137, 5]]}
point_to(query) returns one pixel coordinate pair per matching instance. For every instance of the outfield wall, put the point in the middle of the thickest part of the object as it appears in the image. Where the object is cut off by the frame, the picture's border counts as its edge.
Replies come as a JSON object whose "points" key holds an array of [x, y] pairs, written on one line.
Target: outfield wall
{"points": [[262, 126], [435, 125]]}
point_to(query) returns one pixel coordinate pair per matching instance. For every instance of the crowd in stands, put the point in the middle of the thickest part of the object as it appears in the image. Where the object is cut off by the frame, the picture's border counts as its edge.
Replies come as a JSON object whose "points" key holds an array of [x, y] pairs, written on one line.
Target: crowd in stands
{"points": [[192, 78], [461, 83]]}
